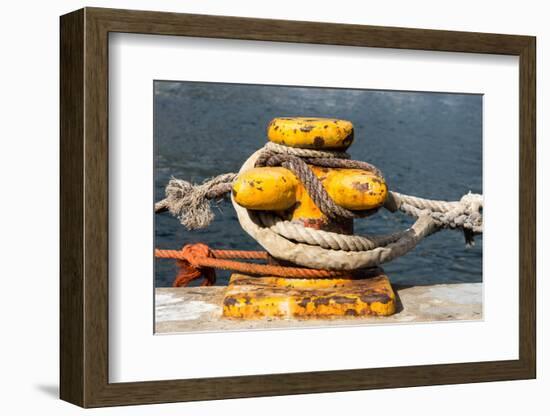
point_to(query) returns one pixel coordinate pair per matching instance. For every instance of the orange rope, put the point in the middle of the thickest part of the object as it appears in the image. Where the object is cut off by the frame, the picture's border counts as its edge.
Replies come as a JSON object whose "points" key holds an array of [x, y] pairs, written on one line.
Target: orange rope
{"points": [[239, 254], [198, 260]]}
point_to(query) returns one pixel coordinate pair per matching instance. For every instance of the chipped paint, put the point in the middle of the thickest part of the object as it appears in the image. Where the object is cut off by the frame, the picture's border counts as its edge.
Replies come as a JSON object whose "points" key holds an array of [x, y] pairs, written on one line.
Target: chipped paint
{"points": [[275, 297]]}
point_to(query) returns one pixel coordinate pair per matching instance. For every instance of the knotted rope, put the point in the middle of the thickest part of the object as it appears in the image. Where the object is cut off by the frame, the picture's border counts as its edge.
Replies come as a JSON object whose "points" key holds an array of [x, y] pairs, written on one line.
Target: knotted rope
{"points": [[465, 214], [196, 260]]}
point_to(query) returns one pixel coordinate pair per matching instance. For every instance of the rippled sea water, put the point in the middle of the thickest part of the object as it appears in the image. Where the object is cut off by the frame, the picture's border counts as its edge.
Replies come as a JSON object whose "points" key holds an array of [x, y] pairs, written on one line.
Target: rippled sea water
{"points": [[427, 144]]}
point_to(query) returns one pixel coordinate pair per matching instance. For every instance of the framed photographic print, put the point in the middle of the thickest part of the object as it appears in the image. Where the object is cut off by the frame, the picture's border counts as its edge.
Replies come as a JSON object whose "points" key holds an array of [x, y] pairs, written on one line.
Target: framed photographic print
{"points": [[255, 207]]}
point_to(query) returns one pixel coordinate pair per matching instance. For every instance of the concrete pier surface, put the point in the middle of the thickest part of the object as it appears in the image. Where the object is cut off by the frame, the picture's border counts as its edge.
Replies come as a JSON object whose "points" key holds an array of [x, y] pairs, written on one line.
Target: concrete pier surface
{"points": [[199, 309]]}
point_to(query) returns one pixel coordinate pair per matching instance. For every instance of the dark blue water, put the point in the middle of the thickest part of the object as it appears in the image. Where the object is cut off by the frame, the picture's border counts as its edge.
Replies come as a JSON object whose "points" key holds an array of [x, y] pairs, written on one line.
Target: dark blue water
{"points": [[427, 144]]}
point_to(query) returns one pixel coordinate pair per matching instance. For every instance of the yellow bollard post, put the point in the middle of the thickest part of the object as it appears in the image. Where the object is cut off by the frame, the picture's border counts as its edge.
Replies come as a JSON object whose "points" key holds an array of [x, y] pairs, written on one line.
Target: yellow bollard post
{"points": [[277, 189]]}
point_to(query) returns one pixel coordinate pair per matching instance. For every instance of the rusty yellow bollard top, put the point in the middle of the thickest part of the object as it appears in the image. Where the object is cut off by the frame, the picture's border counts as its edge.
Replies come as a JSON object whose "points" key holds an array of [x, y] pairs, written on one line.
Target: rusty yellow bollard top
{"points": [[277, 189], [311, 133]]}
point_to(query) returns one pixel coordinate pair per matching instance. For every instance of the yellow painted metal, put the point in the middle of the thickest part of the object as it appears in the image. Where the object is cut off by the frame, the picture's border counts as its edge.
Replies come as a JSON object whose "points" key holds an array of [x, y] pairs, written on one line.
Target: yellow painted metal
{"points": [[249, 297], [311, 132], [277, 189], [353, 189], [306, 211], [267, 188]]}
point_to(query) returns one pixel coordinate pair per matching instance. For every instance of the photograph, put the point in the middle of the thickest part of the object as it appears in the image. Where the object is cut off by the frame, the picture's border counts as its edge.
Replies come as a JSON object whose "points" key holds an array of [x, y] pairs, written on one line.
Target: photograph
{"points": [[282, 206]]}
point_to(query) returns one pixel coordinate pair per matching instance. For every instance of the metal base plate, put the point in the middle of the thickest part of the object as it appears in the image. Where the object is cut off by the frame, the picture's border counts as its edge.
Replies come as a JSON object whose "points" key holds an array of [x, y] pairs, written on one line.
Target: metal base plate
{"points": [[250, 297]]}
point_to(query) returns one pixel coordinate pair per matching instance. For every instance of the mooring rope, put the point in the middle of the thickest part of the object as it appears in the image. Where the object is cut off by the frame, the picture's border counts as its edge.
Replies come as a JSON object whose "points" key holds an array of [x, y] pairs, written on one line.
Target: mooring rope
{"points": [[326, 239], [196, 260], [326, 254], [190, 203]]}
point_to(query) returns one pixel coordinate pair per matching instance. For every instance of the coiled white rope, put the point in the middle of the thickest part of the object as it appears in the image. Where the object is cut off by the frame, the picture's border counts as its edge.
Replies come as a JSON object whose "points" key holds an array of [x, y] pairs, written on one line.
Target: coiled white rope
{"points": [[325, 239]]}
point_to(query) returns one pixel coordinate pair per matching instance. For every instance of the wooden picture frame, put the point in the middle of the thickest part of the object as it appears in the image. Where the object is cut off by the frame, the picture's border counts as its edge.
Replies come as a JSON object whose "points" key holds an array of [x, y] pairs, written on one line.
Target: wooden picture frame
{"points": [[84, 207]]}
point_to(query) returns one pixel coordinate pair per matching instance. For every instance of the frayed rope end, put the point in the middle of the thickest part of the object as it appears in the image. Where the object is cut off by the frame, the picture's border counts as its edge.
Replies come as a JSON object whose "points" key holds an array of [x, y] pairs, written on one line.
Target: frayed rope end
{"points": [[191, 204]]}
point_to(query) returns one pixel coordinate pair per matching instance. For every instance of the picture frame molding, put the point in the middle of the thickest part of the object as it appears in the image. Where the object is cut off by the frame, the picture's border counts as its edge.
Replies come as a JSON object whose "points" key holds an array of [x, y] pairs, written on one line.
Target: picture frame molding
{"points": [[84, 219]]}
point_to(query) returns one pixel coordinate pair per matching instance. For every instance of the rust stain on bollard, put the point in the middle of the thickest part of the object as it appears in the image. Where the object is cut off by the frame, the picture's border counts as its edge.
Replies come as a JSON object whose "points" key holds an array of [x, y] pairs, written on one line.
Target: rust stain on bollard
{"points": [[273, 297]]}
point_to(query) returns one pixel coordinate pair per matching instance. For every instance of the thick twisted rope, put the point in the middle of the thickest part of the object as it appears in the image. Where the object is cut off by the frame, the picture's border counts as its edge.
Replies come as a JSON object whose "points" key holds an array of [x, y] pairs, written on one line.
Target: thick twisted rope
{"points": [[305, 153], [286, 157], [465, 214], [335, 241], [314, 187], [190, 203]]}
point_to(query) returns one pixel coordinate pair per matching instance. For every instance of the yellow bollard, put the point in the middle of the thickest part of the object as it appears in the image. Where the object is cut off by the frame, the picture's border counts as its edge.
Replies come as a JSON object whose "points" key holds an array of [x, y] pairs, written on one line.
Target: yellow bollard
{"points": [[277, 189], [311, 132]]}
